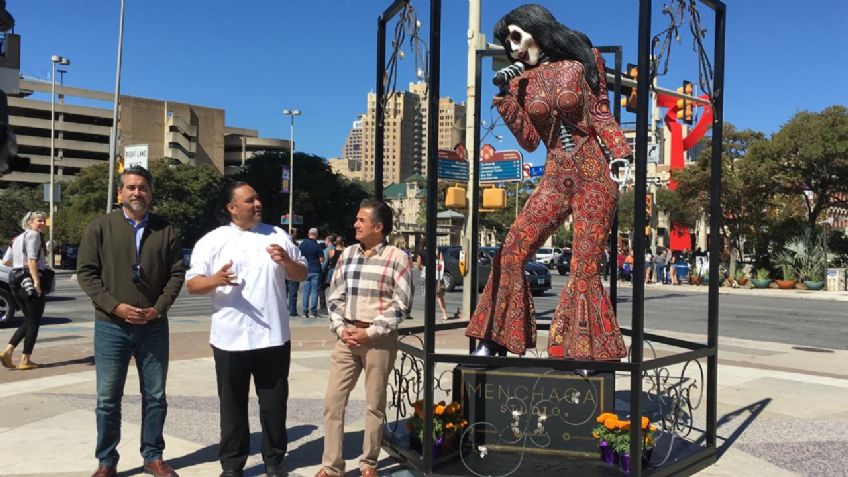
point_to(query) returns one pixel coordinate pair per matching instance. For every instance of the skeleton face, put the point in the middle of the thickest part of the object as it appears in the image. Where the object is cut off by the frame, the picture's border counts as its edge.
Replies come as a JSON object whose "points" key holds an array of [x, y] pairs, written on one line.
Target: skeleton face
{"points": [[522, 45]]}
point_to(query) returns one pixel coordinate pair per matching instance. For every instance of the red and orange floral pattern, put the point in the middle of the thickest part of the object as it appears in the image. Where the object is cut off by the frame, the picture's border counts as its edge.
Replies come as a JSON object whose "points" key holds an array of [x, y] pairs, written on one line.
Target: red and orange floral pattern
{"points": [[575, 183]]}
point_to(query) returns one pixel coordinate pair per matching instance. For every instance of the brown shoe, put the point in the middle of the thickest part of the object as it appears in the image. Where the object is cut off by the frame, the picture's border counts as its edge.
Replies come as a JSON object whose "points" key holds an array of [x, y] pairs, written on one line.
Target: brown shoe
{"points": [[105, 471], [159, 468], [368, 471]]}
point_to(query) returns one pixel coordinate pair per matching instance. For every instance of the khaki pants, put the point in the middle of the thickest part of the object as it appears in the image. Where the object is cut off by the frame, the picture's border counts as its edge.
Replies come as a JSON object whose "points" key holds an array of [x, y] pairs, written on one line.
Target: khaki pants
{"points": [[377, 358]]}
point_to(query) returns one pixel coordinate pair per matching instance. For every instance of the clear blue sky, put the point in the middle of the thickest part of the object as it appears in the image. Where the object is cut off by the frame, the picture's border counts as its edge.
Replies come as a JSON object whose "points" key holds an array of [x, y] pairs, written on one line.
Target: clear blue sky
{"points": [[254, 58]]}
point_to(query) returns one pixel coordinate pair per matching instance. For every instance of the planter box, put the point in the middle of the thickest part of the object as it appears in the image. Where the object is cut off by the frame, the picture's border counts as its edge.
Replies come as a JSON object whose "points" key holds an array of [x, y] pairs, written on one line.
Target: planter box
{"points": [[786, 284], [813, 284], [761, 282]]}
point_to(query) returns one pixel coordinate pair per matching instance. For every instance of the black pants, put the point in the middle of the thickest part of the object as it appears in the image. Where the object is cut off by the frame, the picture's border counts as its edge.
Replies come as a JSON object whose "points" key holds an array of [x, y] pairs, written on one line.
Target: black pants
{"points": [[33, 309], [270, 370]]}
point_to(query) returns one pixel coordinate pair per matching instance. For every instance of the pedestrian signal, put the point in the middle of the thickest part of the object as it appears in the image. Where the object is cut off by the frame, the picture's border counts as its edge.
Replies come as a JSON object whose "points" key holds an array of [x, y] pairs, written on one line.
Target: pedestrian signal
{"points": [[455, 197], [494, 198]]}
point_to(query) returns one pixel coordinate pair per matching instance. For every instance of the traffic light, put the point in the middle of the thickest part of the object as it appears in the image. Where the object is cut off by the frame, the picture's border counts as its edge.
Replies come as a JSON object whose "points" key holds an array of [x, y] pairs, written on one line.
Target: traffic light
{"points": [[455, 197], [649, 206], [681, 105], [494, 198], [628, 93], [687, 105]]}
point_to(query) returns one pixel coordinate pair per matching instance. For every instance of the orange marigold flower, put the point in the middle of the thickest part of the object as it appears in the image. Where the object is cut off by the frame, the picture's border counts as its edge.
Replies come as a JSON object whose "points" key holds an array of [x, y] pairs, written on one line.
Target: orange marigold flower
{"points": [[449, 425], [604, 416], [611, 423], [440, 409], [645, 422], [623, 425], [463, 423], [596, 435], [653, 427]]}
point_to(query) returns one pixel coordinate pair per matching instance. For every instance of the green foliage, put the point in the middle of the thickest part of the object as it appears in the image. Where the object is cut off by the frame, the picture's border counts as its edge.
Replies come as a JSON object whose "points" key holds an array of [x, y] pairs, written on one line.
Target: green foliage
{"points": [[326, 200], [680, 212], [625, 210], [185, 196], [15, 202], [811, 150], [763, 274], [83, 200], [803, 257], [747, 189]]}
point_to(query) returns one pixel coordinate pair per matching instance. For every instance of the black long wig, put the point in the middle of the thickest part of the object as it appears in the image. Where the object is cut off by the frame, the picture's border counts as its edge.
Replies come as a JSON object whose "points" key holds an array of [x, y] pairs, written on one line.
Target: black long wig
{"points": [[556, 40]]}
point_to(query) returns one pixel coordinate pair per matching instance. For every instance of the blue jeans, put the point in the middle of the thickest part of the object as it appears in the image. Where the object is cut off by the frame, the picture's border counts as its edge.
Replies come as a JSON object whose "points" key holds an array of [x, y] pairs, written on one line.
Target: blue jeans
{"points": [[291, 291], [660, 273], [310, 292], [114, 344]]}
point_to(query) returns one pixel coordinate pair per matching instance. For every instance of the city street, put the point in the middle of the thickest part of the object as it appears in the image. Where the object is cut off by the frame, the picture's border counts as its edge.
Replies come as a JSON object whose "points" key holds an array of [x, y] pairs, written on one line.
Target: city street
{"points": [[781, 406], [788, 320]]}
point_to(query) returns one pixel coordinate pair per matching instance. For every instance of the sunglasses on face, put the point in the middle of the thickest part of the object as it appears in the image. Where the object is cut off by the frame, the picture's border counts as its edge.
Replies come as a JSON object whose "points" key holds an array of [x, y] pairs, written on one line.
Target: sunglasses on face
{"points": [[136, 273]]}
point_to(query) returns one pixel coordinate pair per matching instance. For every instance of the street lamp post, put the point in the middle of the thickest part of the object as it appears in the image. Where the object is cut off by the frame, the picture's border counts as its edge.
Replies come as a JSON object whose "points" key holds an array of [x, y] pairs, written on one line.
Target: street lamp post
{"points": [[292, 113], [54, 59], [113, 146]]}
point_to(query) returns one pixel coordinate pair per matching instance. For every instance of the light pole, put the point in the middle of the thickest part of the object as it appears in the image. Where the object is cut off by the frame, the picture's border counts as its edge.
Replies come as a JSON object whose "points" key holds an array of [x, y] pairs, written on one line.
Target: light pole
{"points": [[113, 146], [54, 59], [292, 113]]}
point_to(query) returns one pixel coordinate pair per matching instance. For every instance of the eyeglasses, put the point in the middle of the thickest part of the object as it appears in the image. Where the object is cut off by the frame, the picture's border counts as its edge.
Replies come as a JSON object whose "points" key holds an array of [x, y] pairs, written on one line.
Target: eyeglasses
{"points": [[136, 271]]}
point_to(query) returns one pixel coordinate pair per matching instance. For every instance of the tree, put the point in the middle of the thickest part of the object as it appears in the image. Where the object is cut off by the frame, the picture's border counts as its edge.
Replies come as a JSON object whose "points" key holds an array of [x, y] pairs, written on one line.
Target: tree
{"points": [[185, 195], [85, 199], [16, 201], [812, 153], [746, 186], [325, 199], [680, 212]]}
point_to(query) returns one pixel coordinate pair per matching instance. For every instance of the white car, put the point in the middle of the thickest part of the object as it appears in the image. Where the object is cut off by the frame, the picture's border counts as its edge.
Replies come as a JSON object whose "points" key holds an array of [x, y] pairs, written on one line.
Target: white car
{"points": [[548, 255]]}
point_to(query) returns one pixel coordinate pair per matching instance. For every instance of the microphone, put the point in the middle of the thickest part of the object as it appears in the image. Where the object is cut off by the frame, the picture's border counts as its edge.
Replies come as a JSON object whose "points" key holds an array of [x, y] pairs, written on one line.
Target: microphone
{"points": [[504, 75]]}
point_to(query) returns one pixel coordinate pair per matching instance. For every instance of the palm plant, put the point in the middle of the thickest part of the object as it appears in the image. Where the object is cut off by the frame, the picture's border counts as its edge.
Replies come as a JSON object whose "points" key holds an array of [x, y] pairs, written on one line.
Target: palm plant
{"points": [[802, 258]]}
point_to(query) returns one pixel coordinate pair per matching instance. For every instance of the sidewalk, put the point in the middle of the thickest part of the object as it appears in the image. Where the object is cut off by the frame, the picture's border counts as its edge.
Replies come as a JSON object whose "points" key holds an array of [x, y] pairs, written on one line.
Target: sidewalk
{"points": [[781, 410], [764, 292]]}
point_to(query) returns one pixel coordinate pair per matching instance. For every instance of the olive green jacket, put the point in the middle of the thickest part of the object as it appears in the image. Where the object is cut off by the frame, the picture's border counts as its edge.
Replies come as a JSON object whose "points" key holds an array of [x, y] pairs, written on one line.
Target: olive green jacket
{"points": [[106, 258]]}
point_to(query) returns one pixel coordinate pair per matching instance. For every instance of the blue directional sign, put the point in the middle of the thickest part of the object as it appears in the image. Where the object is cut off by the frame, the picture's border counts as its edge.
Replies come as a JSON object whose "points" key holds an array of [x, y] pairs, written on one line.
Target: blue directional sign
{"points": [[503, 166], [537, 171], [452, 167]]}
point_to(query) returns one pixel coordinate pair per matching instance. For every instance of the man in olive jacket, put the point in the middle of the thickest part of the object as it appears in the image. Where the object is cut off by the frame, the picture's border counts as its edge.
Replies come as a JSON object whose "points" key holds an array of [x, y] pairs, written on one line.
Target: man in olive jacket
{"points": [[130, 264]]}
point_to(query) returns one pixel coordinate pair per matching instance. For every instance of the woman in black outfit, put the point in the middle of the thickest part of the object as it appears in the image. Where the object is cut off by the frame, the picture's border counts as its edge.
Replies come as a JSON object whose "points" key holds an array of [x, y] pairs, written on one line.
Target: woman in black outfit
{"points": [[27, 251]]}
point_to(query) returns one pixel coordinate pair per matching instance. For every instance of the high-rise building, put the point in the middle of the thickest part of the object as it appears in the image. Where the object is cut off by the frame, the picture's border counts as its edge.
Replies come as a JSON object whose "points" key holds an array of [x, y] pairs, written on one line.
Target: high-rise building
{"points": [[405, 135], [352, 152]]}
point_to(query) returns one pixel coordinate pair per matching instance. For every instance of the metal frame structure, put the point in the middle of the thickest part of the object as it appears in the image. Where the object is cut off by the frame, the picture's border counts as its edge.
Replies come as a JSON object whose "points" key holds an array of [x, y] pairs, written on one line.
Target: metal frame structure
{"points": [[638, 368]]}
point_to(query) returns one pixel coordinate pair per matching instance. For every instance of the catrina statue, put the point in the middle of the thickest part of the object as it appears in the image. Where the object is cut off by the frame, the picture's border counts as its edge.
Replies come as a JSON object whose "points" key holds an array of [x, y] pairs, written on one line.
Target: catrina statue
{"points": [[555, 93]]}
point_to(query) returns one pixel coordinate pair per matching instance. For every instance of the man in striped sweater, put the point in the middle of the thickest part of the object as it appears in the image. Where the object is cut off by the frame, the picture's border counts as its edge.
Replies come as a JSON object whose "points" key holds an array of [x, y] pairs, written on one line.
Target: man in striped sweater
{"points": [[370, 294]]}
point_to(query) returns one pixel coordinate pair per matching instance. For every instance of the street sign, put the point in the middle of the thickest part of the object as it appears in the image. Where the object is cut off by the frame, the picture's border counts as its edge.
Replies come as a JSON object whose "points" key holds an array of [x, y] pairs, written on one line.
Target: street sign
{"points": [[537, 171], [285, 180], [298, 219], [452, 166], [57, 192], [135, 155], [501, 166]]}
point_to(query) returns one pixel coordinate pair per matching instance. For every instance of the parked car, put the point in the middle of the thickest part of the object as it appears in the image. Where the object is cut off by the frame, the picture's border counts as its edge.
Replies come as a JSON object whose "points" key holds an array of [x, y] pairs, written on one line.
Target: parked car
{"points": [[452, 277], [538, 275], [8, 306], [69, 258], [548, 255], [563, 262]]}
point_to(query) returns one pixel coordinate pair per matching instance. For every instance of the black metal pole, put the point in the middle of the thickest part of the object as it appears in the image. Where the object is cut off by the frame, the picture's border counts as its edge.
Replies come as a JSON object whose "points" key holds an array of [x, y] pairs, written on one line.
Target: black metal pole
{"points": [[379, 125], [638, 331], [715, 220], [432, 193]]}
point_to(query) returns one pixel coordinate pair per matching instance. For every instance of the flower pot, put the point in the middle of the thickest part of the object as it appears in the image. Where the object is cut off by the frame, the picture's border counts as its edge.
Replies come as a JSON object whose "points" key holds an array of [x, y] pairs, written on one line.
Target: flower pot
{"points": [[608, 456], [742, 281], [785, 284], [813, 284], [624, 463], [761, 282]]}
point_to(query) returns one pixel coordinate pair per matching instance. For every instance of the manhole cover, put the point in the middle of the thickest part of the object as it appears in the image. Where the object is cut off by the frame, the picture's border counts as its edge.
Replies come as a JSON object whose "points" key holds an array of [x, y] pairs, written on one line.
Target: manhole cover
{"points": [[812, 349]]}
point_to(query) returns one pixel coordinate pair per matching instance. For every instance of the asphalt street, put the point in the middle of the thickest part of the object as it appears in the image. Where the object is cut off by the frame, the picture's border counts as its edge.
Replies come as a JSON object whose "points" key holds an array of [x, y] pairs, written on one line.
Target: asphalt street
{"points": [[808, 323]]}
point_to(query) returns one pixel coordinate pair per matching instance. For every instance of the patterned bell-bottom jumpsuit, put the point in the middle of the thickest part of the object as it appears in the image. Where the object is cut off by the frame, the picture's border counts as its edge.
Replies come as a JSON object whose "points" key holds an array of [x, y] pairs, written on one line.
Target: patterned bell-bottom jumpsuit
{"points": [[575, 182]]}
